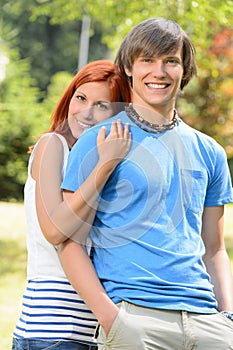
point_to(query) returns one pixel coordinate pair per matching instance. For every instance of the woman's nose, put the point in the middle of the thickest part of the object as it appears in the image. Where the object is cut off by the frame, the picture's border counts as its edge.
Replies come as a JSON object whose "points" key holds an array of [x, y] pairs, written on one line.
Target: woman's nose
{"points": [[89, 113]]}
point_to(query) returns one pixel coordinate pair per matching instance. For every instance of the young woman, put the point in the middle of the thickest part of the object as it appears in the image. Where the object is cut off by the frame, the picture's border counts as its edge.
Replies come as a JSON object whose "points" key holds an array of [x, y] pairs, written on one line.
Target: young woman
{"points": [[53, 314]]}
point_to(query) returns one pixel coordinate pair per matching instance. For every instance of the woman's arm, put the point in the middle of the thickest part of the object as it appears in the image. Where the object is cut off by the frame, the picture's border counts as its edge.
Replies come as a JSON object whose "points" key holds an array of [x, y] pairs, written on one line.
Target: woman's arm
{"points": [[47, 172], [59, 218], [216, 258], [81, 274]]}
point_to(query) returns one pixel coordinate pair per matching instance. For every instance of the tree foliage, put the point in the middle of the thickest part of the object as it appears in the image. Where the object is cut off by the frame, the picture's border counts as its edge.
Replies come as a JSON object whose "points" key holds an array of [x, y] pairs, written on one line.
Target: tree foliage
{"points": [[210, 100], [208, 103], [22, 120], [50, 47], [40, 38], [117, 17], [18, 119]]}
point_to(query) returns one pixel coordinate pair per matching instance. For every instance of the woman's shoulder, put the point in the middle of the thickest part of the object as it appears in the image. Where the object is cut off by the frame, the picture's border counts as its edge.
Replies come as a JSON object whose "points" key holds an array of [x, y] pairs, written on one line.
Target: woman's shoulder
{"points": [[51, 144], [51, 139]]}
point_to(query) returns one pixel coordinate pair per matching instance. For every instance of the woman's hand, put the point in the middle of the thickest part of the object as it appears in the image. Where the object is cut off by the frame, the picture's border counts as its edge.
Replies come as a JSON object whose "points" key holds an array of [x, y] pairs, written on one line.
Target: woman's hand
{"points": [[107, 320], [113, 148]]}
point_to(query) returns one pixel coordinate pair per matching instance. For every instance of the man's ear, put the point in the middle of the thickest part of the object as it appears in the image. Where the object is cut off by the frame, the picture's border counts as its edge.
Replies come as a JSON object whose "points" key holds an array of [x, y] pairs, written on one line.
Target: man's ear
{"points": [[127, 72]]}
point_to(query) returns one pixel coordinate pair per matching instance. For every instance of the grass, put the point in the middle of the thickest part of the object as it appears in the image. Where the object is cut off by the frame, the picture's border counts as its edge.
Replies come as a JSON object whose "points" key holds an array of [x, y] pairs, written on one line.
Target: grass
{"points": [[12, 268], [13, 264]]}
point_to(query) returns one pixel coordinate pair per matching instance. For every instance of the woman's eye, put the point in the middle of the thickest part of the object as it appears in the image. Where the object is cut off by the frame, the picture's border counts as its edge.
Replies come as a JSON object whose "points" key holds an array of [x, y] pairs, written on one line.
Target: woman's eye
{"points": [[103, 106], [80, 97]]}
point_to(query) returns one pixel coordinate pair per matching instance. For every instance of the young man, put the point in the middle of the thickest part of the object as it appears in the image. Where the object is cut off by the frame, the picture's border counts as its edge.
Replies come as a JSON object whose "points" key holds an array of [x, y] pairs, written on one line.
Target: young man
{"points": [[158, 228]]}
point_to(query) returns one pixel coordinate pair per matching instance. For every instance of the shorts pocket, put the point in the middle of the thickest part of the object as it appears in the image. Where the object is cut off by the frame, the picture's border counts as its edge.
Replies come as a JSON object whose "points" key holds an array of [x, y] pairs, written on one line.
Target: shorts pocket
{"points": [[32, 344], [230, 322], [116, 325], [102, 338]]}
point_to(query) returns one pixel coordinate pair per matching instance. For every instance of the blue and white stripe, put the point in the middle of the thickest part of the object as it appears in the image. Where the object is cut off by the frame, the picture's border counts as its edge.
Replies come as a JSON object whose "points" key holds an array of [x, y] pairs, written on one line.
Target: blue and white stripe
{"points": [[51, 309]]}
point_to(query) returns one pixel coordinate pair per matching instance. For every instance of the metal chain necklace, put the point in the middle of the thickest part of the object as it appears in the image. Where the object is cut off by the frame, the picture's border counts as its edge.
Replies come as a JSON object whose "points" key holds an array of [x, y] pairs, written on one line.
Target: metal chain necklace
{"points": [[147, 126]]}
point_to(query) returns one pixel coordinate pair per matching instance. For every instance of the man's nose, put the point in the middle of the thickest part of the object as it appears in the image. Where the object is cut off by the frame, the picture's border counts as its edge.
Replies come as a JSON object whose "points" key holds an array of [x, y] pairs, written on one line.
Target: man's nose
{"points": [[158, 69]]}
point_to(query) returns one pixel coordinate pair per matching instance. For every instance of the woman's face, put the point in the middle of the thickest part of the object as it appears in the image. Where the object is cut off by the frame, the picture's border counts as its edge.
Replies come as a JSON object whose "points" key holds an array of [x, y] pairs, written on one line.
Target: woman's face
{"points": [[90, 104]]}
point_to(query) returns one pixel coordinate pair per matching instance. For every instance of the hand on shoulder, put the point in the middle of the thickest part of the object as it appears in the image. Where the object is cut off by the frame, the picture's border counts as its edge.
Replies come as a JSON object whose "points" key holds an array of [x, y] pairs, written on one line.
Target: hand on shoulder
{"points": [[116, 145]]}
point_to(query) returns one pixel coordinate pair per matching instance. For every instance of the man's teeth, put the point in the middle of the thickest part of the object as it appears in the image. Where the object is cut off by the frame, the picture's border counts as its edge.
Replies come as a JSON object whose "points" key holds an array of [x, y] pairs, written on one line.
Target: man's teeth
{"points": [[157, 86]]}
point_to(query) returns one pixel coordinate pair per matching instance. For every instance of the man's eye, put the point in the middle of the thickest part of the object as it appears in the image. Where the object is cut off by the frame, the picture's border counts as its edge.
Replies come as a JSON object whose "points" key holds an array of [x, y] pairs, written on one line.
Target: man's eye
{"points": [[172, 61], [147, 60]]}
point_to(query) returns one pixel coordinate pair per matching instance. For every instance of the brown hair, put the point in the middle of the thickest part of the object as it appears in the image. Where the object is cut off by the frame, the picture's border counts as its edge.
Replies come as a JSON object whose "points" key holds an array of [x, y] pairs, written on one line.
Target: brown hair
{"points": [[157, 37]]}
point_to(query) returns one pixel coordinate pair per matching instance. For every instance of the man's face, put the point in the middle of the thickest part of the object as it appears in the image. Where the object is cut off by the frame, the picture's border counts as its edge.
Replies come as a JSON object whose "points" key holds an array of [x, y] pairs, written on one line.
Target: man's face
{"points": [[156, 80]]}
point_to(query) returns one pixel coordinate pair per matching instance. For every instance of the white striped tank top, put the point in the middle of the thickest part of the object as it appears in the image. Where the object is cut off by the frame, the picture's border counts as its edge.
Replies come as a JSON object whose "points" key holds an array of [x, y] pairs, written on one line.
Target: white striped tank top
{"points": [[51, 308]]}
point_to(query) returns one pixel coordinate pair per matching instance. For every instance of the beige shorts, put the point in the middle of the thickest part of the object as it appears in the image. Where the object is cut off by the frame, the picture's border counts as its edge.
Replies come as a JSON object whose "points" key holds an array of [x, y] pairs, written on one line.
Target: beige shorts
{"points": [[138, 328]]}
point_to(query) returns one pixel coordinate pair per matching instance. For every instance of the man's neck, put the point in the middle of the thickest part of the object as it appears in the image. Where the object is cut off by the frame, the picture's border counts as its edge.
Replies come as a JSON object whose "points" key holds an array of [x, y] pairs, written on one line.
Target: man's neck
{"points": [[159, 115]]}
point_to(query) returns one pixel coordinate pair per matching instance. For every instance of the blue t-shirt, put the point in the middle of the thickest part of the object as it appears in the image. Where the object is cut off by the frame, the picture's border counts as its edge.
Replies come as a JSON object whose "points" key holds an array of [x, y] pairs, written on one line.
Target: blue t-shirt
{"points": [[147, 230]]}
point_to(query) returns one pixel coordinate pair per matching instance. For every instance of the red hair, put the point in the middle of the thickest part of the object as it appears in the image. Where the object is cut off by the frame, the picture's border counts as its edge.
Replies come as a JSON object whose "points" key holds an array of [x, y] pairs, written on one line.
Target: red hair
{"points": [[101, 70]]}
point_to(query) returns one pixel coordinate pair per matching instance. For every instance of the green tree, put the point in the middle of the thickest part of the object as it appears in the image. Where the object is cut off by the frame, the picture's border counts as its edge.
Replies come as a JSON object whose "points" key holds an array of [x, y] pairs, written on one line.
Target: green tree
{"points": [[42, 37], [22, 120], [57, 85], [117, 17], [207, 104], [19, 118], [50, 47]]}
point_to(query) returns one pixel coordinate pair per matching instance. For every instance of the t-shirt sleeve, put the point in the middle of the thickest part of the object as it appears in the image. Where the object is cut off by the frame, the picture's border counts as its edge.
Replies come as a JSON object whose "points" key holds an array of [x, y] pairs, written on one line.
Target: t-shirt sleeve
{"points": [[219, 190], [81, 161]]}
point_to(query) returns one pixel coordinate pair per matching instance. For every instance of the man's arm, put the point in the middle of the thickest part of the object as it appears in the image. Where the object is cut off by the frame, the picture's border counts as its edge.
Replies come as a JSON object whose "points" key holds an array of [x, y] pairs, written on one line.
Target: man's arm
{"points": [[216, 258]]}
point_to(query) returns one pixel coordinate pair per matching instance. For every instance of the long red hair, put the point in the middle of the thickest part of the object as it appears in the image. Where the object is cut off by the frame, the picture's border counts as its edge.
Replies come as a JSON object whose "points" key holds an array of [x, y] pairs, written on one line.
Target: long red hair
{"points": [[96, 71], [101, 70]]}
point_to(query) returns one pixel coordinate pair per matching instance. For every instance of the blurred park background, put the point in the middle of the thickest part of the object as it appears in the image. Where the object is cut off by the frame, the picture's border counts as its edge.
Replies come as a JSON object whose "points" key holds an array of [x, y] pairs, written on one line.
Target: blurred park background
{"points": [[42, 45]]}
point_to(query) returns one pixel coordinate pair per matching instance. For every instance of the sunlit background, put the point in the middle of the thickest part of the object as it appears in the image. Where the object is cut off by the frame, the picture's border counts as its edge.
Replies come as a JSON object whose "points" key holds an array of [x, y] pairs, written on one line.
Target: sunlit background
{"points": [[42, 45]]}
